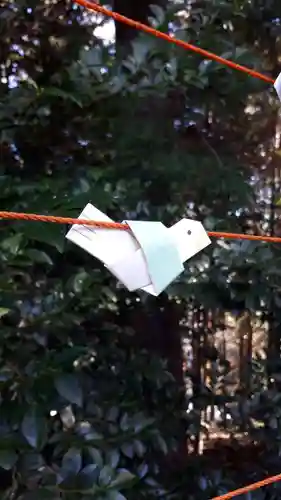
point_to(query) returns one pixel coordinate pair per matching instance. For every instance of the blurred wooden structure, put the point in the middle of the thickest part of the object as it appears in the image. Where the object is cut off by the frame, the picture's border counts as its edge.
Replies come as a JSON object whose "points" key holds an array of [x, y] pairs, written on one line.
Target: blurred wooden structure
{"points": [[218, 353]]}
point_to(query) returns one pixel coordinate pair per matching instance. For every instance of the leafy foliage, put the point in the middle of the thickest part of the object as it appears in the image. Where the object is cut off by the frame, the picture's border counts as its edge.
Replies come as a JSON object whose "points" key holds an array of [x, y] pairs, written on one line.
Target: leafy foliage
{"points": [[90, 407]]}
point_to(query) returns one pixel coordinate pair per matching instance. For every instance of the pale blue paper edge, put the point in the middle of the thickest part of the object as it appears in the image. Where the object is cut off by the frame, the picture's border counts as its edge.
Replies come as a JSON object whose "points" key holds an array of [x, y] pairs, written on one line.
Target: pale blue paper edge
{"points": [[160, 252]]}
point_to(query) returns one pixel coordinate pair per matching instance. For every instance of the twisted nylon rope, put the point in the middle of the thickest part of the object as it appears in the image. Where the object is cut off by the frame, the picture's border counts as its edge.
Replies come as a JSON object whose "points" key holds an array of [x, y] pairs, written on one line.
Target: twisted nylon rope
{"points": [[117, 225], [250, 487], [187, 46]]}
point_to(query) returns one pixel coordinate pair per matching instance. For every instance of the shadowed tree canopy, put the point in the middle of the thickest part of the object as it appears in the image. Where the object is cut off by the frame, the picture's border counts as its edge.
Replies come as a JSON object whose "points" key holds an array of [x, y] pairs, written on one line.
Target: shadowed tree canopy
{"points": [[93, 404]]}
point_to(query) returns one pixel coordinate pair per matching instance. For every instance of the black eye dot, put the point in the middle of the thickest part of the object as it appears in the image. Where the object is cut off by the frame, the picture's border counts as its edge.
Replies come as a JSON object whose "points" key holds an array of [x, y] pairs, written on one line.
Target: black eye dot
{"points": [[189, 232]]}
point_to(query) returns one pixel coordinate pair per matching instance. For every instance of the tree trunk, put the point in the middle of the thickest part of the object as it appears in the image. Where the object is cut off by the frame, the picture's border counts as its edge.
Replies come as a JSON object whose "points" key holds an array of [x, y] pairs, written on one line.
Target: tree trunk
{"points": [[158, 331], [157, 326]]}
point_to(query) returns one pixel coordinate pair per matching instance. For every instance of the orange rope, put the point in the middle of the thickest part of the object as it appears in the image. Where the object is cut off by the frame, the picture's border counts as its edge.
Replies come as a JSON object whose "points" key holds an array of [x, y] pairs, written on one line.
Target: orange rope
{"points": [[238, 236], [187, 46], [250, 487], [61, 220], [118, 225]]}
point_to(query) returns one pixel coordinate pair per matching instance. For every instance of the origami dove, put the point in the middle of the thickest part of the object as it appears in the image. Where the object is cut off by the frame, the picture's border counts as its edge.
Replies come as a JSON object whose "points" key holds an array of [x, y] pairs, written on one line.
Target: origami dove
{"points": [[147, 257]]}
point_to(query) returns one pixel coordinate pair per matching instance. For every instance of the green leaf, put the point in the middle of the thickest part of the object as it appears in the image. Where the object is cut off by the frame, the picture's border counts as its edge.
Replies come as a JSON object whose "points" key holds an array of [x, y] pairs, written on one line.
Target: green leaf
{"points": [[114, 495], [12, 244], [67, 96], [69, 388], [123, 478], [96, 456], [93, 436], [161, 444], [80, 281], [128, 450], [8, 459], [158, 13], [38, 256], [30, 462], [91, 57], [140, 51], [139, 448], [112, 458], [142, 470], [71, 462], [88, 476], [4, 311], [106, 476], [51, 234], [141, 423], [124, 422], [113, 414], [5, 375], [33, 428]]}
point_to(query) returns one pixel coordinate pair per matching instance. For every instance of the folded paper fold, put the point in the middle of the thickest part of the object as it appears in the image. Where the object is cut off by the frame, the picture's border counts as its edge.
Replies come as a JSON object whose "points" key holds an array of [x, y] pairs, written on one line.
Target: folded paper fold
{"points": [[148, 257], [277, 86], [157, 260]]}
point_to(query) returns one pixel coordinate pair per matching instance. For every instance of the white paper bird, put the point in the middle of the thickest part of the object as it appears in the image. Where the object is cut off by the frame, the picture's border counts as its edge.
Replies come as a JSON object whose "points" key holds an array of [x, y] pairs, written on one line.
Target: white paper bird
{"points": [[148, 257]]}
